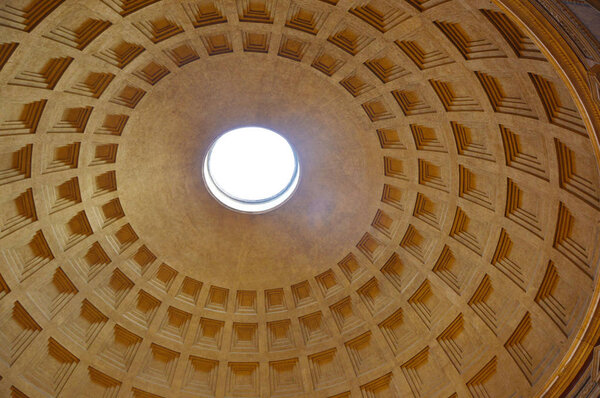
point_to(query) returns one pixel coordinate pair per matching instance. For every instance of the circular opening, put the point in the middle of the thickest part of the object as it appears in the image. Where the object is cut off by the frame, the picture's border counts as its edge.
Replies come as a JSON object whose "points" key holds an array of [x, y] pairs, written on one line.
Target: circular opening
{"points": [[251, 169]]}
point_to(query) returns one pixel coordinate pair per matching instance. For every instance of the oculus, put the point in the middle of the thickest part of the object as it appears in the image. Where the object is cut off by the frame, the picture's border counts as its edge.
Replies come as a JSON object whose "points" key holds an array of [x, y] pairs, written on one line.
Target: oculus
{"points": [[251, 169]]}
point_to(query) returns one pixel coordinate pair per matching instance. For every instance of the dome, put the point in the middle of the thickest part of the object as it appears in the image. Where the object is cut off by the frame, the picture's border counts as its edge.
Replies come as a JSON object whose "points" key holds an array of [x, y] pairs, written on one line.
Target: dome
{"points": [[441, 233]]}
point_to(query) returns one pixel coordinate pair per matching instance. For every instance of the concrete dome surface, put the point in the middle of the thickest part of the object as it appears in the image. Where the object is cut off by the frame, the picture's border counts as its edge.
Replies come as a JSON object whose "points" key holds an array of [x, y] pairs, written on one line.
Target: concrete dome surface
{"points": [[443, 239]]}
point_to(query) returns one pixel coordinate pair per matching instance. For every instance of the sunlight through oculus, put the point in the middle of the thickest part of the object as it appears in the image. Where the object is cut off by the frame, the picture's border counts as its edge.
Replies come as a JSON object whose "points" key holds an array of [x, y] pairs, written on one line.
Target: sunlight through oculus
{"points": [[251, 169]]}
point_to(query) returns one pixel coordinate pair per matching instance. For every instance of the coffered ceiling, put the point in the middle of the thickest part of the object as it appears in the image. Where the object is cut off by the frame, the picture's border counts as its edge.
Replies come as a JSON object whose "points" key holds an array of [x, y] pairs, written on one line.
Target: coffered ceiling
{"points": [[443, 240]]}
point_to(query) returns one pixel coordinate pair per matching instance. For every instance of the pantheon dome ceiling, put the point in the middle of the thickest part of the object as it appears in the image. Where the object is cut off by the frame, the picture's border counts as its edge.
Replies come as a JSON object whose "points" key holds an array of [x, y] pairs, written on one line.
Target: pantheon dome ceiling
{"points": [[443, 240]]}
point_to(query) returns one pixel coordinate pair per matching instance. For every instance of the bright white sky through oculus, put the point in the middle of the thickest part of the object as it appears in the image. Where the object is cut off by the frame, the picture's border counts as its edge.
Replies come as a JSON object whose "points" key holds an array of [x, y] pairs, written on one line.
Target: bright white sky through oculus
{"points": [[251, 163]]}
